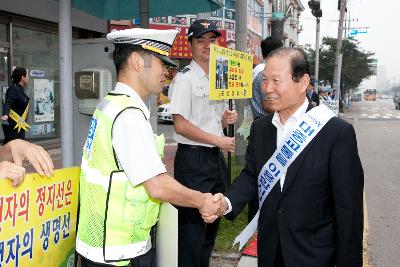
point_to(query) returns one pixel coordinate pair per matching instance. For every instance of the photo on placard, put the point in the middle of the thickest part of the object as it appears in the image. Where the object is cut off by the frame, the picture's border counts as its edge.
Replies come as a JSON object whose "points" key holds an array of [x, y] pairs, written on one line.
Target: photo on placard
{"points": [[221, 73]]}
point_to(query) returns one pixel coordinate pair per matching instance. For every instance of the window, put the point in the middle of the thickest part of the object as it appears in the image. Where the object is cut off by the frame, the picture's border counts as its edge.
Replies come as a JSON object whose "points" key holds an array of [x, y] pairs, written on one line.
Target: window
{"points": [[37, 51]]}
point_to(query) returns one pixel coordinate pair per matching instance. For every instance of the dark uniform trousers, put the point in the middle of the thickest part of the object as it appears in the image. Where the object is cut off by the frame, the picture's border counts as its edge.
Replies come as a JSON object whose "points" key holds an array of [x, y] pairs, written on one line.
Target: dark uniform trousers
{"points": [[203, 169]]}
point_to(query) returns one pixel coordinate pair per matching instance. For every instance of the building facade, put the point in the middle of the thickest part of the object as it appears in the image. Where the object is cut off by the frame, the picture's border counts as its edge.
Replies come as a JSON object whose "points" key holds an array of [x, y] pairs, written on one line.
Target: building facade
{"points": [[29, 39], [291, 10]]}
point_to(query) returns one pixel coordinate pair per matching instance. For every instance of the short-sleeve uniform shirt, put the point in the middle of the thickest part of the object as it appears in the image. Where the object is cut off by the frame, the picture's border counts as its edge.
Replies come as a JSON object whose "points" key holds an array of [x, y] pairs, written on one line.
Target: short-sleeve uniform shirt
{"points": [[189, 98], [133, 140]]}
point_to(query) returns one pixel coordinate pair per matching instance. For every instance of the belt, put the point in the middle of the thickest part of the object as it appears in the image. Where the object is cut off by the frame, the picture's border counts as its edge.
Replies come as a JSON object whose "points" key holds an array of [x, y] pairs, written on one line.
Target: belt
{"points": [[200, 148]]}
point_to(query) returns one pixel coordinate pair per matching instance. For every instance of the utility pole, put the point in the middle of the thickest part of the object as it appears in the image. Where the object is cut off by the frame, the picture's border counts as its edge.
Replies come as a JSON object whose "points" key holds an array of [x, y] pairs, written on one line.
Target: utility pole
{"points": [[316, 11], [241, 45], [316, 73], [338, 57]]}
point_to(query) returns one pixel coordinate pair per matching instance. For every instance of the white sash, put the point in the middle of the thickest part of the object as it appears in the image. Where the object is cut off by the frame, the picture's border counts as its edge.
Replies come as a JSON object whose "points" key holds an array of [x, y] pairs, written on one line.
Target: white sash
{"points": [[292, 145]]}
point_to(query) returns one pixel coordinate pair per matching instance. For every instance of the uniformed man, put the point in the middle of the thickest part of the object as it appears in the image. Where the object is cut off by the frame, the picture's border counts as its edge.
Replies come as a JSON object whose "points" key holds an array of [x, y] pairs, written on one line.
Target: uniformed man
{"points": [[199, 163], [123, 179]]}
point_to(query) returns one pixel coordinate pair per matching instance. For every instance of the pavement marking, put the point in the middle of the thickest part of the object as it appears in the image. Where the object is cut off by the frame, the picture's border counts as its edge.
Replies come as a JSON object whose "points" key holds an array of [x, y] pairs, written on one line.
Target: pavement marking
{"points": [[366, 262]]}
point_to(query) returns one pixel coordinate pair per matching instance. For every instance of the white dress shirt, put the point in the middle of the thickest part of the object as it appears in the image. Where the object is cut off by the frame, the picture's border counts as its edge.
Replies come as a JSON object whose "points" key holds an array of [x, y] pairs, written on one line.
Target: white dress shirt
{"points": [[281, 132]]}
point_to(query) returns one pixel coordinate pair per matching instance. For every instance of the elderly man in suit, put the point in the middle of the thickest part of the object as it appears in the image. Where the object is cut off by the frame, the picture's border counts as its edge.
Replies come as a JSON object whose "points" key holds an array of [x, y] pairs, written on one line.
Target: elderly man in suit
{"points": [[313, 215]]}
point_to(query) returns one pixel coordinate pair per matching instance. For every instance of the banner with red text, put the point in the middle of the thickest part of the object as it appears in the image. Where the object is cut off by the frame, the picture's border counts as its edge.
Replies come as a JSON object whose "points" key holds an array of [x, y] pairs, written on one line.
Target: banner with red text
{"points": [[38, 220]]}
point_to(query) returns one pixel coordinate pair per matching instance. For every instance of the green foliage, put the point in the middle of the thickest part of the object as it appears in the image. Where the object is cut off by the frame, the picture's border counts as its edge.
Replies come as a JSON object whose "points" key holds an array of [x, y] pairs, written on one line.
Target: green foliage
{"points": [[228, 230], [355, 62]]}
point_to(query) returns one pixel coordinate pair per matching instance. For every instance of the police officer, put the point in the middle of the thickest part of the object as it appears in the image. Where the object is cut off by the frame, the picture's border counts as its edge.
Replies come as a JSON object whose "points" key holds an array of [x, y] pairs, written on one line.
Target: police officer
{"points": [[123, 178], [199, 123]]}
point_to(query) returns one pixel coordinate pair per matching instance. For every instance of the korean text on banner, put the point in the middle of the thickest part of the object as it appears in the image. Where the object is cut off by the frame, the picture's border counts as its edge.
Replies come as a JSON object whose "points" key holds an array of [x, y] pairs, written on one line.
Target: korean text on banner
{"points": [[230, 73], [38, 220]]}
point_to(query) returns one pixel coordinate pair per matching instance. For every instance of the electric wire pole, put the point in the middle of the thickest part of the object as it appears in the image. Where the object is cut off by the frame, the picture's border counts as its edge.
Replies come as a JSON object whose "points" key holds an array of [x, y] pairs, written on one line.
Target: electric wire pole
{"points": [[338, 55], [316, 73]]}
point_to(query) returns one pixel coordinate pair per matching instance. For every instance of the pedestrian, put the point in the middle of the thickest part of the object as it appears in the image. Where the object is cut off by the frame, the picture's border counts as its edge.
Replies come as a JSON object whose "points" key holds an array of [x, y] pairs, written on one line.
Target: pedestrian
{"points": [[259, 103], [312, 184], [123, 179], [16, 100], [199, 163], [312, 96], [13, 154]]}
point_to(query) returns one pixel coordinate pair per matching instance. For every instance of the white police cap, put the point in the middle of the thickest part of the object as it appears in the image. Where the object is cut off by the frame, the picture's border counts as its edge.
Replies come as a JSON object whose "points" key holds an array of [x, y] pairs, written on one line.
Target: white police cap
{"points": [[158, 42]]}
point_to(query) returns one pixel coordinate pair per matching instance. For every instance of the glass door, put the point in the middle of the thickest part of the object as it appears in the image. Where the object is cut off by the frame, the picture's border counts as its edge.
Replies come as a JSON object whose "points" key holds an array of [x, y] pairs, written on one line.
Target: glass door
{"points": [[4, 72], [4, 78]]}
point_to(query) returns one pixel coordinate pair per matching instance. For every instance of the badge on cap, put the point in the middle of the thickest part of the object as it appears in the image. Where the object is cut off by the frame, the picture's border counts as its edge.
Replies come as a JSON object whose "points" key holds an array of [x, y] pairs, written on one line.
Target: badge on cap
{"points": [[205, 24]]}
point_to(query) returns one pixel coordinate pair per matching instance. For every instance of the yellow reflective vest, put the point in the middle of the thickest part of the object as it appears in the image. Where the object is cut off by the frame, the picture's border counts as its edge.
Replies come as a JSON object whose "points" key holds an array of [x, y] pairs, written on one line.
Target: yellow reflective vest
{"points": [[115, 217]]}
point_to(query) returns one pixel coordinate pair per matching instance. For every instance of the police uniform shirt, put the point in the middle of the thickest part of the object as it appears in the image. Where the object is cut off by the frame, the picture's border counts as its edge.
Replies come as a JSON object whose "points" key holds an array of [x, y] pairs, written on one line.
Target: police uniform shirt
{"points": [[189, 98], [133, 140]]}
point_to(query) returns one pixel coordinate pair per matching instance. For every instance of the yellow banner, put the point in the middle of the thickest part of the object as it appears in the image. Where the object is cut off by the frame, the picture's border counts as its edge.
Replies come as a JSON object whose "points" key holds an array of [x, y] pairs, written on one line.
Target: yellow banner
{"points": [[231, 74], [38, 220]]}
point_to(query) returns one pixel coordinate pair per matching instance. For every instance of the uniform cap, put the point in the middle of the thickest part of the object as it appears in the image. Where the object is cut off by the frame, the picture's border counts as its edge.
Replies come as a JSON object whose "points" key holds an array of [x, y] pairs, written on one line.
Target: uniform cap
{"points": [[157, 42], [200, 27]]}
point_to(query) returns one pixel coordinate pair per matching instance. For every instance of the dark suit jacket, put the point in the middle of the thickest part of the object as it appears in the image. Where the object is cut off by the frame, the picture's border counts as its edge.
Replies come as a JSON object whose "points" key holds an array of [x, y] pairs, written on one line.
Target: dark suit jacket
{"points": [[318, 217], [17, 100]]}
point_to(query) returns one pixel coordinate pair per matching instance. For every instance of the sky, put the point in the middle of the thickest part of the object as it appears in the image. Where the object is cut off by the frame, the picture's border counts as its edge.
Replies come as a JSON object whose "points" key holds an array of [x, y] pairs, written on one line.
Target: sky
{"points": [[383, 37]]}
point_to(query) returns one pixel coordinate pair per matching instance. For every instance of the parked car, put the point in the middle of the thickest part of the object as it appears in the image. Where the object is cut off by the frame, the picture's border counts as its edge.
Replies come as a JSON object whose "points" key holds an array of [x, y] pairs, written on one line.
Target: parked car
{"points": [[356, 97], [163, 113]]}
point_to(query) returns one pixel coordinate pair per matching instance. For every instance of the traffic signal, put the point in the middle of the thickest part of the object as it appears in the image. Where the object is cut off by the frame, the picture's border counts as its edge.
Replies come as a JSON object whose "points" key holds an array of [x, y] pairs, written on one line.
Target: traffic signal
{"points": [[338, 5], [315, 8]]}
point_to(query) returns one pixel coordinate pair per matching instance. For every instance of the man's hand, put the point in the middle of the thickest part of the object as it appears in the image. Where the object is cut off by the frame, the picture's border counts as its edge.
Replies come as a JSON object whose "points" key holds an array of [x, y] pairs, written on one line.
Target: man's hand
{"points": [[223, 206], [229, 117], [210, 205], [226, 143], [35, 154], [4, 117], [12, 171]]}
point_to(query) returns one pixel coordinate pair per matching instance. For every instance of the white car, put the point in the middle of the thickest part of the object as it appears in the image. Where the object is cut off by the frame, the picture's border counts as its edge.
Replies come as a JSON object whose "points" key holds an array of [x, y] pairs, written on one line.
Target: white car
{"points": [[163, 113]]}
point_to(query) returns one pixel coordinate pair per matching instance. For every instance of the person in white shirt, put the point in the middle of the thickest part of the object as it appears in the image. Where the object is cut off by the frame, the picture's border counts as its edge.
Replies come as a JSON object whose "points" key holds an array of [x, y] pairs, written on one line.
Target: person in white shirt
{"points": [[121, 144], [199, 163]]}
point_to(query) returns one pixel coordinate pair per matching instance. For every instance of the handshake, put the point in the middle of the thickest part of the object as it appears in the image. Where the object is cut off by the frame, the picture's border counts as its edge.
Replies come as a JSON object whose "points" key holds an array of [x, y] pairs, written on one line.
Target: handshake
{"points": [[214, 206]]}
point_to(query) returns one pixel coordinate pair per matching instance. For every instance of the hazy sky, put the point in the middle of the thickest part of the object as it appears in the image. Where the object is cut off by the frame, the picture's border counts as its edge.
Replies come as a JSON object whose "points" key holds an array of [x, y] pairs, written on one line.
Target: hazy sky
{"points": [[383, 37]]}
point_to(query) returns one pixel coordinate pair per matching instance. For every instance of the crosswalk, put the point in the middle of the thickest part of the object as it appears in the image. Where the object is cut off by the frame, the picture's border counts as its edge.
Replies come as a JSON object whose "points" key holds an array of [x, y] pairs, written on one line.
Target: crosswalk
{"points": [[375, 113], [379, 113]]}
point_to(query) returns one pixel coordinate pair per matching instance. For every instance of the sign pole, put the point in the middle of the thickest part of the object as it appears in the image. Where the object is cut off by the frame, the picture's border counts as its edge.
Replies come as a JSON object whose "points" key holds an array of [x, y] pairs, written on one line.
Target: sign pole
{"points": [[231, 130]]}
